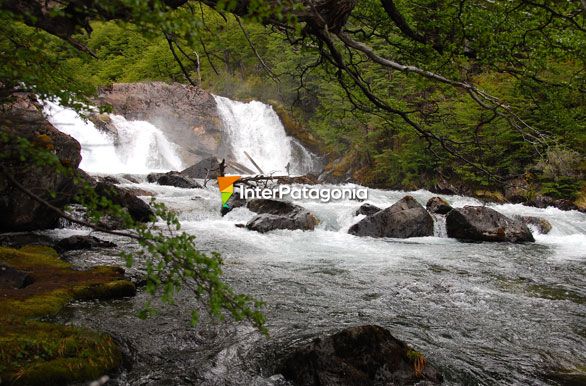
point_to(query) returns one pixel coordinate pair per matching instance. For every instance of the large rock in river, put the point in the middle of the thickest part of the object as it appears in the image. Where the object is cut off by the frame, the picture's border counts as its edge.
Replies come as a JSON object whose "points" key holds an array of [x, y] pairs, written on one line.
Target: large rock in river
{"points": [[479, 223], [367, 209], [19, 212], [275, 214], [206, 168], [187, 115], [137, 208], [438, 205], [175, 179], [406, 218], [363, 355]]}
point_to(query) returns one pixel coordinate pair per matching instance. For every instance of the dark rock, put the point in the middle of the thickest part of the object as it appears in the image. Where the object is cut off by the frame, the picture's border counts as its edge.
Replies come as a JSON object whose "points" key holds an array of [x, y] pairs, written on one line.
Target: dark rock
{"points": [[20, 239], [13, 278], [438, 205], [367, 209], [233, 202], [260, 205], [79, 212], [267, 222], [131, 178], [206, 168], [24, 118], [363, 355], [479, 223], [173, 179], [274, 214], [406, 218], [82, 242], [565, 205], [154, 177], [177, 180], [109, 179], [542, 225], [140, 192], [137, 208], [444, 186]]}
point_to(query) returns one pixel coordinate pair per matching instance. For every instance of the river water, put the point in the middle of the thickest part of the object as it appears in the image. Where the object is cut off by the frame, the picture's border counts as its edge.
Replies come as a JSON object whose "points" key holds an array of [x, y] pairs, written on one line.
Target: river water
{"points": [[483, 313]]}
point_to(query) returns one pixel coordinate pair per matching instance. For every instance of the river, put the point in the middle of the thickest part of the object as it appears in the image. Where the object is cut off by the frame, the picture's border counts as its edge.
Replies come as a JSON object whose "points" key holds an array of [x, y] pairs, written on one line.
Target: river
{"points": [[483, 313]]}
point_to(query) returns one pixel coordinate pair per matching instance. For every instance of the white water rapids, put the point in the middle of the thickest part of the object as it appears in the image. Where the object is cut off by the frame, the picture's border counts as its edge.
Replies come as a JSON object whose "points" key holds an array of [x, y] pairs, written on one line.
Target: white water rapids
{"points": [[255, 127], [483, 313]]}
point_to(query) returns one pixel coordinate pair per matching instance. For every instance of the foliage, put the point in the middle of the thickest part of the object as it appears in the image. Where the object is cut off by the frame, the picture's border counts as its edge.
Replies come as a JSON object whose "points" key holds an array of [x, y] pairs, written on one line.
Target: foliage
{"points": [[171, 257], [39, 353]]}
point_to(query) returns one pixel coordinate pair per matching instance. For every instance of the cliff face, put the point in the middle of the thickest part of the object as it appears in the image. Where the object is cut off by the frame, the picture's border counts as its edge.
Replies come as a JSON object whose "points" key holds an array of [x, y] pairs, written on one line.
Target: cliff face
{"points": [[188, 115], [18, 212]]}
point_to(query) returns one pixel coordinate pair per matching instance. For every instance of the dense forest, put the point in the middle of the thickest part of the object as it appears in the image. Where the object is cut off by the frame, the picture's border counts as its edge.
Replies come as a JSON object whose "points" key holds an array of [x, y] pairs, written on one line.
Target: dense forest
{"points": [[463, 122], [527, 57]]}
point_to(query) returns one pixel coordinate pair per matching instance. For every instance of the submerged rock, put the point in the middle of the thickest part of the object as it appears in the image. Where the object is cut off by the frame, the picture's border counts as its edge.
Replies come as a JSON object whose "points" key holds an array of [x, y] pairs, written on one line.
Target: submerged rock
{"points": [[363, 355], [367, 209], [479, 223], [175, 179], [543, 226], [274, 214], [82, 242], [438, 205], [406, 218]]}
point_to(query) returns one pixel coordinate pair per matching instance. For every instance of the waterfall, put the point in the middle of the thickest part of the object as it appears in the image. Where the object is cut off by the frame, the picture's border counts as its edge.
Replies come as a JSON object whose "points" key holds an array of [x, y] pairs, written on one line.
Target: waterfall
{"points": [[139, 147], [255, 127], [439, 225]]}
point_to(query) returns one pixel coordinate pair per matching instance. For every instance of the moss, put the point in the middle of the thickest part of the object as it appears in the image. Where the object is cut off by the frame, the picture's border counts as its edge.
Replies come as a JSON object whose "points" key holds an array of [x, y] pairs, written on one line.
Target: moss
{"points": [[490, 196], [418, 360], [295, 128], [33, 352]]}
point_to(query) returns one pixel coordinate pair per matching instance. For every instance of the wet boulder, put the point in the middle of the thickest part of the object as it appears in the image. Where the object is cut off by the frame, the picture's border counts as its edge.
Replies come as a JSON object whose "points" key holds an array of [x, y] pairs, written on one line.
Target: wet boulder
{"points": [[137, 208], [362, 355], [438, 205], [82, 242], [177, 180], [233, 202], [275, 214], [479, 223], [406, 218], [543, 226], [277, 207], [367, 210], [206, 168]]}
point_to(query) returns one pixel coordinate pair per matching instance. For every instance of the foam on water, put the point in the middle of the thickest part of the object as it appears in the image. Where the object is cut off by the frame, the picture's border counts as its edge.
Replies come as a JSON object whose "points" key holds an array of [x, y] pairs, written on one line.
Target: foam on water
{"points": [[139, 148], [255, 128]]}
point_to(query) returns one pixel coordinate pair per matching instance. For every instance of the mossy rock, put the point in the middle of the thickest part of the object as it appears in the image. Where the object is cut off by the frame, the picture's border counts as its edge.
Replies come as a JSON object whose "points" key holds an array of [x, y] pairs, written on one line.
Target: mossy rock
{"points": [[490, 196], [40, 353]]}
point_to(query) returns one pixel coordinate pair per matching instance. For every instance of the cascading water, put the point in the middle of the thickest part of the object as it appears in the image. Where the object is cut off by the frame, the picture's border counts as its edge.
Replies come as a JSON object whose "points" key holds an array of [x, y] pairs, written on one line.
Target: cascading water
{"points": [[484, 313], [255, 127], [139, 148]]}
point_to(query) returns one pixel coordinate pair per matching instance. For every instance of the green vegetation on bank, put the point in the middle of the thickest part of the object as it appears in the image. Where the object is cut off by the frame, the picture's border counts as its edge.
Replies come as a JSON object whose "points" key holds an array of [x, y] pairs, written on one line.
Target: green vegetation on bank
{"points": [[36, 352], [523, 55]]}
